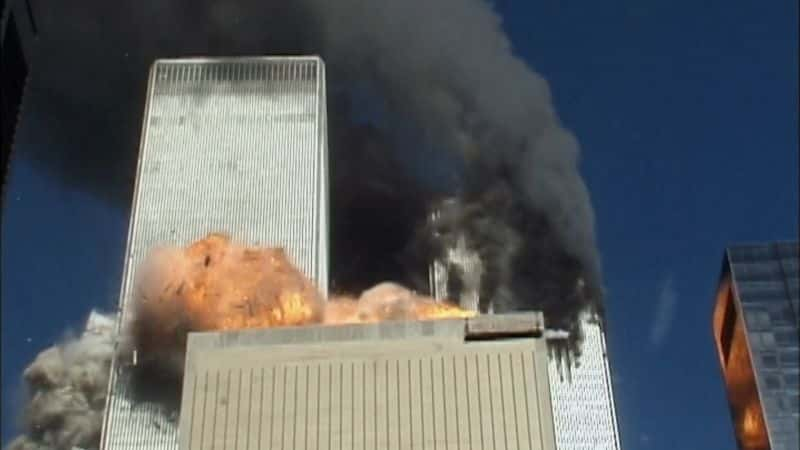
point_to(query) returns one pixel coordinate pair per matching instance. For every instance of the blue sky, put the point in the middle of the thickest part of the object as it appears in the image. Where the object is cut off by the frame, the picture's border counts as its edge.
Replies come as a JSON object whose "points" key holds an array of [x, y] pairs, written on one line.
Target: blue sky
{"points": [[687, 116]]}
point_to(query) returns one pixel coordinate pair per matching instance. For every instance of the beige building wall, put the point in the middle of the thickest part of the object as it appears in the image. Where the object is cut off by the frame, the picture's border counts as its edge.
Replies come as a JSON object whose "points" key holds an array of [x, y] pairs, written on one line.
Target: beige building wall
{"points": [[418, 392]]}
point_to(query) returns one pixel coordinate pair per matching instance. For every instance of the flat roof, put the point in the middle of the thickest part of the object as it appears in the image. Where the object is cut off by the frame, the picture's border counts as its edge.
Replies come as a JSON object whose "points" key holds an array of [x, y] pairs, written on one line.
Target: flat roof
{"points": [[420, 384]]}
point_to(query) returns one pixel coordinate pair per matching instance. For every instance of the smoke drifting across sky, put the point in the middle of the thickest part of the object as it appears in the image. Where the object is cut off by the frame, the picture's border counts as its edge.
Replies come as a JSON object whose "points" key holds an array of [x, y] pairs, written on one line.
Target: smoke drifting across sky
{"points": [[445, 87]]}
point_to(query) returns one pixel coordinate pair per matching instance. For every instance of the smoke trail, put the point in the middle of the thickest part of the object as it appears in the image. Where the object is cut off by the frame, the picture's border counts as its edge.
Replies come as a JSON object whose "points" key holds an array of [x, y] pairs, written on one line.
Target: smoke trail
{"points": [[445, 71], [67, 391]]}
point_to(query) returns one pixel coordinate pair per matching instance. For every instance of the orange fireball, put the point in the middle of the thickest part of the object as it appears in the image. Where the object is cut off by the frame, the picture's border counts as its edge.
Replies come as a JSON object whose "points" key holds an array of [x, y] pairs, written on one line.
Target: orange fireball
{"points": [[215, 284]]}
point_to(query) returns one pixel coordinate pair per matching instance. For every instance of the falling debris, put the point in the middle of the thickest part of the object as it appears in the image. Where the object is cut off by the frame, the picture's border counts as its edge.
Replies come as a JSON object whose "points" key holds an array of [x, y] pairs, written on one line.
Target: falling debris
{"points": [[453, 100], [217, 284], [518, 262], [67, 386], [212, 284], [455, 95]]}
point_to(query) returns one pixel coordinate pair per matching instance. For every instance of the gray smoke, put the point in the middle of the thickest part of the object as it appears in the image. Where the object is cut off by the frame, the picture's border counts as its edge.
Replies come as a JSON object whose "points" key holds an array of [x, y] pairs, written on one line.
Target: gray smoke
{"points": [[525, 263], [449, 91], [67, 386]]}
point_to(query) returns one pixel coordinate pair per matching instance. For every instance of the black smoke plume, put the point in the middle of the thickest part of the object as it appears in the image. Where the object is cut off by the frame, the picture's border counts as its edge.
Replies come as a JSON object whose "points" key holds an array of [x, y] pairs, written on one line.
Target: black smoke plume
{"points": [[448, 88]]}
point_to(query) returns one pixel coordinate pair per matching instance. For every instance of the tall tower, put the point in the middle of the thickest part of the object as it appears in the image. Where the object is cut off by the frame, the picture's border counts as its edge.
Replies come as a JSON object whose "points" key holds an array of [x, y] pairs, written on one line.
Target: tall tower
{"points": [[755, 326], [235, 145], [584, 412]]}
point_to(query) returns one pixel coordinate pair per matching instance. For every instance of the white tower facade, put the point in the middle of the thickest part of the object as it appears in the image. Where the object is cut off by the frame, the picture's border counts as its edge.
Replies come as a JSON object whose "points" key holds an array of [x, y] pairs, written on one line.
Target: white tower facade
{"points": [[584, 413], [232, 145]]}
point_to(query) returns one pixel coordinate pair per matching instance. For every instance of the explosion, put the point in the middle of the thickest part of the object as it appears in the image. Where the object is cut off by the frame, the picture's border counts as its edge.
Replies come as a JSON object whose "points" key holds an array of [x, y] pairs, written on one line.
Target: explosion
{"points": [[389, 301], [424, 100], [217, 284], [212, 284], [450, 82]]}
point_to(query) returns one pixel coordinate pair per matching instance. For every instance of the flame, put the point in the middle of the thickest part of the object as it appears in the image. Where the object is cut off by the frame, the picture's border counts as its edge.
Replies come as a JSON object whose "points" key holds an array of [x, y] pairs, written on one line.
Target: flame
{"points": [[389, 301], [216, 284], [426, 310]]}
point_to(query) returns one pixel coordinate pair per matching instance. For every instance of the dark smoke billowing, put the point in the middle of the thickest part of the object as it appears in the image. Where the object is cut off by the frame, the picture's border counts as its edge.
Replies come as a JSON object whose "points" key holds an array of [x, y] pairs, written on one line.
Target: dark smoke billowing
{"points": [[447, 87], [67, 386]]}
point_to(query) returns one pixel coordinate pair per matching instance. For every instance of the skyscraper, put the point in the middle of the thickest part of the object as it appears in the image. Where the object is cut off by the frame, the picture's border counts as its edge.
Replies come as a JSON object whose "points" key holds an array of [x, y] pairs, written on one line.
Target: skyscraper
{"points": [[394, 385], [755, 324], [234, 145], [584, 412]]}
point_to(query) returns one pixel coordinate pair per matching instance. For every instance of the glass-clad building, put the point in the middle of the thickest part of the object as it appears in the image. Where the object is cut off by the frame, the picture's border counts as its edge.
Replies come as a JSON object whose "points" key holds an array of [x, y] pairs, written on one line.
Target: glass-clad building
{"points": [[584, 411], [581, 395], [755, 325], [232, 145]]}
